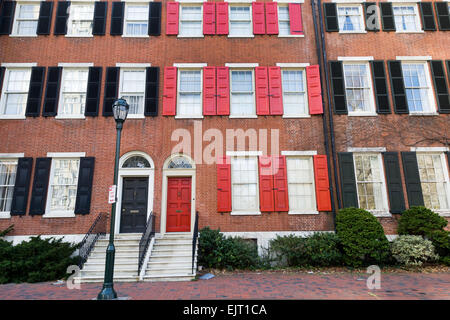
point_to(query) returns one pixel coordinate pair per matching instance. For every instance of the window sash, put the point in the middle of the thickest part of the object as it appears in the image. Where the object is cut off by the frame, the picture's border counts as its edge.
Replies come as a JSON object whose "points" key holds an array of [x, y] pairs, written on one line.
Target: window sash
{"points": [[189, 102], [417, 86], [26, 19], [15, 87], [240, 21], [8, 170], [284, 22], [294, 92], [244, 182], [63, 184], [136, 20], [132, 88], [350, 18], [300, 178], [358, 88], [81, 19], [405, 20], [73, 91]]}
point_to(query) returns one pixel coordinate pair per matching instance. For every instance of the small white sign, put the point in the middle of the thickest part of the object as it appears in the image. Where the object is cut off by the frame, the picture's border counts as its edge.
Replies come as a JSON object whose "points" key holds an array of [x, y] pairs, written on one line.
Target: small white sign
{"points": [[112, 194]]}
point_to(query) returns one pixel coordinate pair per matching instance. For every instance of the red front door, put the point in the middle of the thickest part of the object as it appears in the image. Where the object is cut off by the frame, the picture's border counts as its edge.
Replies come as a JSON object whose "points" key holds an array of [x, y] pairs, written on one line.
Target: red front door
{"points": [[179, 205]]}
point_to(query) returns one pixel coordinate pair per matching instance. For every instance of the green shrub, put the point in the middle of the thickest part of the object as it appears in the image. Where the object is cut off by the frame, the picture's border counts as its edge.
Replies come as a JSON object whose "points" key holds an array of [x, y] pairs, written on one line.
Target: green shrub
{"points": [[36, 260], [290, 250], [362, 238], [413, 250], [6, 231], [441, 242], [420, 221]]}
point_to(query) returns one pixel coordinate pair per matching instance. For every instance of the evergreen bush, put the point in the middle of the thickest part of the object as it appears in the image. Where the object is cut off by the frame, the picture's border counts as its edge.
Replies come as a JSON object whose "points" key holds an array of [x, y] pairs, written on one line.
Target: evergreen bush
{"points": [[413, 250]]}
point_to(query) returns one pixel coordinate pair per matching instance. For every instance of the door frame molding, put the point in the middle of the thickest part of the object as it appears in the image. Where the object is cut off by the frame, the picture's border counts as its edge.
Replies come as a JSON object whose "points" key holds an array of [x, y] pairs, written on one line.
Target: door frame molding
{"points": [[136, 173]]}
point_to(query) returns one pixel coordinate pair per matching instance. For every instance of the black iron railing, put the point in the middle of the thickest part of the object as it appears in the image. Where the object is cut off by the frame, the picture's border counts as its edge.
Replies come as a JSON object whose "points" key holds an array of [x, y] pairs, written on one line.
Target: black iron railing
{"points": [[194, 240], [147, 235], [97, 229]]}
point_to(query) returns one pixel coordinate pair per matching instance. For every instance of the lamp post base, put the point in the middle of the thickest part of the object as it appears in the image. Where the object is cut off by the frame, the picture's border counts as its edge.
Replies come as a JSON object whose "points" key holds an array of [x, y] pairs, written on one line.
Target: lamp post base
{"points": [[107, 293]]}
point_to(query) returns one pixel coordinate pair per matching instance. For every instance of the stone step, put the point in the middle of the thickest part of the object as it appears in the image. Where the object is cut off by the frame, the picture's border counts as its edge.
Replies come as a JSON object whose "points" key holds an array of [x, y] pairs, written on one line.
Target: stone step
{"points": [[121, 243], [170, 277], [95, 279], [170, 258], [168, 265], [117, 267], [117, 273]]}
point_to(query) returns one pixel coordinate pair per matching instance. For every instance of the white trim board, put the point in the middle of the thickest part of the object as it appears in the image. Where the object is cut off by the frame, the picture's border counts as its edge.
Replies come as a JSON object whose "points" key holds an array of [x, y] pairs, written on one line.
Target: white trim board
{"points": [[19, 65], [75, 65], [292, 65], [11, 155], [190, 65], [66, 154], [370, 58], [299, 153], [244, 153], [376, 149], [133, 65], [413, 58], [242, 65], [430, 149]]}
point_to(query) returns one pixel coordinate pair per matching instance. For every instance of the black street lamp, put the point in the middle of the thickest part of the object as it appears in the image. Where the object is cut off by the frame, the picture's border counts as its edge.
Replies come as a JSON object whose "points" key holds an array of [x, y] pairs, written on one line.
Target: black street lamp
{"points": [[120, 111]]}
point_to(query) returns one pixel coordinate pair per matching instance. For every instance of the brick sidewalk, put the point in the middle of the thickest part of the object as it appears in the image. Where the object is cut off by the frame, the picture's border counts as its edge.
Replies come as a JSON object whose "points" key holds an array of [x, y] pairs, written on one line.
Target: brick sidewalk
{"points": [[254, 286]]}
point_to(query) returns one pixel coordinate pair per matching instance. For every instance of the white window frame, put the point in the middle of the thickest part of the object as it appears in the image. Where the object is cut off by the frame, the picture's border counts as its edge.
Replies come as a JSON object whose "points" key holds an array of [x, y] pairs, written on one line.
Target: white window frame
{"points": [[70, 19], [305, 85], [127, 5], [60, 156], [243, 68], [445, 168], [385, 211], [16, 19], [372, 110], [191, 4], [416, 14], [309, 155], [10, 157], [430, 92], [187, 67], [360, 13], [61, 89], [3, 93], [240, 4], [245, 155], [121, 79]]}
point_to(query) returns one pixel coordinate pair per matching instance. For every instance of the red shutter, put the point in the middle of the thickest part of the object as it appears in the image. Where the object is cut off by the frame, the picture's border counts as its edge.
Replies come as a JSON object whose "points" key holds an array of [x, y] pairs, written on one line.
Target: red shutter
{"points": [[209, 18], [265, 184], [173, 9], [295, 17], [272, 18], [209, 91], [259, 26], [280, 188], [224, 185], [223, 91], [314, 89], [222, 17], [323, 197], [275, 91], [170, 91], [262, 91]]}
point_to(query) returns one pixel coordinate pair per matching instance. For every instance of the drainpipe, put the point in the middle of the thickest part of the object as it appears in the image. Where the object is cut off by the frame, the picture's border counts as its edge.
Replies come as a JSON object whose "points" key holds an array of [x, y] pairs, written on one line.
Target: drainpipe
{"points": [[322, 58]]}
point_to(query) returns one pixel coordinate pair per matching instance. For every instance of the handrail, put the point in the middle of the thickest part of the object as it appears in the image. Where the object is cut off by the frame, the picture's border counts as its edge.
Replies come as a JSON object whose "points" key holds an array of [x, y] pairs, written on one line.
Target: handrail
{"points": [[147, 235], [194, 240], [97, 229]]}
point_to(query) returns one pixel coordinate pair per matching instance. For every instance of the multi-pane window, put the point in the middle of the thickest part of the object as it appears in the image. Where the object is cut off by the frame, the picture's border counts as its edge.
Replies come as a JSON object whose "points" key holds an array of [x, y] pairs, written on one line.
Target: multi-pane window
{"points": [[132, 89], [7, 180], [240, 21], [242, 93], [358, 88], [350, 18], [244, 180], [73, 92], [406, 18], [370, 182], [136, 20], [284, 24], [80, 19], [15, 92], [63, 185], [294, 92], [190, 93], [417, 87], [433, 180], [300, 176], [27, 16], [191, 21]]}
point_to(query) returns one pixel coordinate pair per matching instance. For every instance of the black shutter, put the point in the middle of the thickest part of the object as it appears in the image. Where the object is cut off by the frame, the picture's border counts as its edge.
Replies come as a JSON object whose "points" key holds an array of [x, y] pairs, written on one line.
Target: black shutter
{"points": [[331, 18], [2, 74], [52, 91], [380, 87], [448, 158], [7, 16], [394, 182], [443, 15], [398, 87], [84, 189], [338, 87], [93, 91], [35, 92], [45, 18], [412, 179], [100, 12], [371, 13], [21, 186], [154, 19], [40, 186], [448, 70], [152, 91], [117, 18], [111, 89], [348, 181], [62, 13], [427, 16], [387, 16], [440, 86]]}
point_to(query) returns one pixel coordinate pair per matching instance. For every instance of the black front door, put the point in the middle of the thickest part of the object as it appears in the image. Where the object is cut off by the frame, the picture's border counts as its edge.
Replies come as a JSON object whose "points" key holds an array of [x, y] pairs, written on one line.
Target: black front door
{"points": [[134, 205]]}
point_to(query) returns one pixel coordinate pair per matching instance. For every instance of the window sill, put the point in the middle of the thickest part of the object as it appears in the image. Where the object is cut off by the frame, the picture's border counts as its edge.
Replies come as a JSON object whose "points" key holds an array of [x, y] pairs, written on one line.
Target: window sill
{"points": [[353, 32], [23, 35], [70, 117], [5, 215], [245, 213], [61, 214], [291, 36], [135, 116], [443, 213], [304, 212], [12, 117], [381, 213], [423, 114], [241, 36], [188, 36], [358, 114], [78, 36], [417, 31], [297, 116], [189, 117], [131, 36], [243, 117]]}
